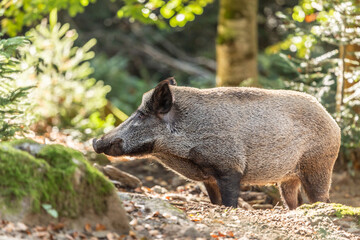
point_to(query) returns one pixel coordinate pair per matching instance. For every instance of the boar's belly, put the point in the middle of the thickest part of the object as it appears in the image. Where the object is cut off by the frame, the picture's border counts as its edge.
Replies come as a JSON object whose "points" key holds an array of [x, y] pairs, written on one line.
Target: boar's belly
{"points": [[182, 166], [268, 175]]}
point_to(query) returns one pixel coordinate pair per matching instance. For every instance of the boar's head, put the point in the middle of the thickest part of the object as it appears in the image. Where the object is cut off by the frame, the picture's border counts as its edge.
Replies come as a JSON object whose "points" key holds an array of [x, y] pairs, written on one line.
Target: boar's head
{"points": [[137, 135]]}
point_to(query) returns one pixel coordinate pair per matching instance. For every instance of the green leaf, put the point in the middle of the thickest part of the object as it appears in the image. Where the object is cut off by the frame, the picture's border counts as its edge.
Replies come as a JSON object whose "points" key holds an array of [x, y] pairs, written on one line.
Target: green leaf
{"points": [[53, 18], [52, 212]]}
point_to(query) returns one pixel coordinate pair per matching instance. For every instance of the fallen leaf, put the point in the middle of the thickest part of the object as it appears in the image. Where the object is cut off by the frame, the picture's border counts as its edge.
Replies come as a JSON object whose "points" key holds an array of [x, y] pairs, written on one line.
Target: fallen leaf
{"points": [[100, 227], [146, 189], [69, 237], [110, 236], [132, 234], [41, 234], [87, 228], [138, 190], [75, 234], [57, 227], [156, 214], [154, 232], [133, 222], [40, 229], [21, 227], [218, 221], [230, 234], [166, 215], [149, 178], [196, 219], [213, 235], [139, 228], [82, 236], [10, 227]]}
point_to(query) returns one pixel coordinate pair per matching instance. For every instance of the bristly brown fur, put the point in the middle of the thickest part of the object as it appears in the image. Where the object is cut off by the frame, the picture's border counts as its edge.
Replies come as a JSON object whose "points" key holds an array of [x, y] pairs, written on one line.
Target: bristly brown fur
{"points": [[224, 136]]}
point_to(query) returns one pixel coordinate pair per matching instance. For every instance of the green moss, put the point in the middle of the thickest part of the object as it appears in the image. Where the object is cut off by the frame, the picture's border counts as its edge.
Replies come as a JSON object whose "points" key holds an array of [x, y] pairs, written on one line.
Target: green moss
{"points": [[19, 175], [309, 206], [340, 210], [57, 175], [22, 141]]}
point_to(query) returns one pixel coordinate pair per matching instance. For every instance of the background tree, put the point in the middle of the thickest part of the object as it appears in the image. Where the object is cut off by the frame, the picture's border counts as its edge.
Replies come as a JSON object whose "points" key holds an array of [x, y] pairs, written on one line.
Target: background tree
{"points": [[237, 44]]}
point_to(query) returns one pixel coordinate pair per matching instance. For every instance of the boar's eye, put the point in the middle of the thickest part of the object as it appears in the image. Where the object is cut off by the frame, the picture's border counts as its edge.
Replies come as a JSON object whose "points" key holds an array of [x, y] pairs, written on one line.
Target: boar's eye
{"points": [[140, 115]]}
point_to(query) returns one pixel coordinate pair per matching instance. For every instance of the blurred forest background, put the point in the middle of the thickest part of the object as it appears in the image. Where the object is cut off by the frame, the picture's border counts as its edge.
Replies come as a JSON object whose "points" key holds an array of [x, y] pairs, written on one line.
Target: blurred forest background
{"points": [[79, 67]]}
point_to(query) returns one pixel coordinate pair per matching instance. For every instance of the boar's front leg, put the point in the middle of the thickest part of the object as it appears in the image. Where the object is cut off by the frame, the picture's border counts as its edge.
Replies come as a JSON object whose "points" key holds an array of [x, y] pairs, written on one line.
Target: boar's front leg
{"points": [[229, 185]]}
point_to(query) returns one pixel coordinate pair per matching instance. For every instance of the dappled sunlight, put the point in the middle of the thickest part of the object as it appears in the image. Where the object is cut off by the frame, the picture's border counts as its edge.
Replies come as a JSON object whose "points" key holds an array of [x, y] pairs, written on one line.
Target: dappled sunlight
{"points": [[253, 133]]}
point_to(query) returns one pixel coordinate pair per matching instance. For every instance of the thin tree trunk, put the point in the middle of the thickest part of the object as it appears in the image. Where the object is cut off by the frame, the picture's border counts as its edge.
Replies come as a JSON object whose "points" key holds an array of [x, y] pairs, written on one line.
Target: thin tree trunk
{"points": [[350, 51], [237, 44], [340, 83]]}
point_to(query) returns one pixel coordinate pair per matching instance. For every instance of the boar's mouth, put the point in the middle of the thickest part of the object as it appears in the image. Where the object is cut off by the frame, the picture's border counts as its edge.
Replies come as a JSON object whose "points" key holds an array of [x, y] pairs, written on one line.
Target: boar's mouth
{"points": [[115, 148], [145, 148]]}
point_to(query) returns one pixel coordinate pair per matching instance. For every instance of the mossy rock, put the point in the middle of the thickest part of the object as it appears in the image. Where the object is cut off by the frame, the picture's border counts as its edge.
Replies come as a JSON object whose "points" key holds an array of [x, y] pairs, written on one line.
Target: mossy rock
{"points": [[332, 209], [35, 177]]}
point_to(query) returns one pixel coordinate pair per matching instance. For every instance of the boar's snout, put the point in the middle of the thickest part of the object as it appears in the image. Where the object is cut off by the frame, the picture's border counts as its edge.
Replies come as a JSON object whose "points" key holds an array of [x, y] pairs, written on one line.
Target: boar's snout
{"points": [[98, 145], [112, 148]]}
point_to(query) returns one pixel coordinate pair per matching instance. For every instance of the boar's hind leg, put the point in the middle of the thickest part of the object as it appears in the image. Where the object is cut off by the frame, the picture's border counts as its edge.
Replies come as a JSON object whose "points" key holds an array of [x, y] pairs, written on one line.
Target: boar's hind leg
{"points": [[316, 185], [213, 192], [229, 185], [290, 193]]}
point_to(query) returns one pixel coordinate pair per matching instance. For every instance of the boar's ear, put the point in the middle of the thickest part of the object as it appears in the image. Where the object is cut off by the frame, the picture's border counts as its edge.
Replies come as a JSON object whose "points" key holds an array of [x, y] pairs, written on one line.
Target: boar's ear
{"points": [[171, 80], [162, 98]]}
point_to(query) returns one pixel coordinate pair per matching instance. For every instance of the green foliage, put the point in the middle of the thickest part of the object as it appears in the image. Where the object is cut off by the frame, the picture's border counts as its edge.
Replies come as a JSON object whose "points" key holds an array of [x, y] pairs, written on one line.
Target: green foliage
{"points": [[127, 90], [49, 178], [13, 104], [24, 13], [315, 58], [178, 12], [66, 96]]}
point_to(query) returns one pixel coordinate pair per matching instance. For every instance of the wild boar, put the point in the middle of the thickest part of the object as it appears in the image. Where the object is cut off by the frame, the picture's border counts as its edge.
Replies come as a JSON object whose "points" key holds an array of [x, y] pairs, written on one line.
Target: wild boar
{"points": [[231, 135]]}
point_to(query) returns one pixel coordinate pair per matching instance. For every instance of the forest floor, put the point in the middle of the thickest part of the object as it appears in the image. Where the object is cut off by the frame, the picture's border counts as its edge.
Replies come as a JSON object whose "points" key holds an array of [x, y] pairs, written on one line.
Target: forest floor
{"points": [[168, 207]]}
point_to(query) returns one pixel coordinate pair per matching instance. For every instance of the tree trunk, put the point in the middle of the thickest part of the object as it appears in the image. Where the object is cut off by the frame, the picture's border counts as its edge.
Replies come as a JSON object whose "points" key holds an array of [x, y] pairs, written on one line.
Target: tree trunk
{"points": [[237, 44], [340, 83], [344, 86]]}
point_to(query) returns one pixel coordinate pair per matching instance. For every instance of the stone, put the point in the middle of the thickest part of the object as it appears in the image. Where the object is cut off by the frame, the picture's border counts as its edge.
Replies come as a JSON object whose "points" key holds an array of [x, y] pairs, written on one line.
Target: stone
{"points": [[56, 184], [159, 189], [191, 232], [262, 206]]}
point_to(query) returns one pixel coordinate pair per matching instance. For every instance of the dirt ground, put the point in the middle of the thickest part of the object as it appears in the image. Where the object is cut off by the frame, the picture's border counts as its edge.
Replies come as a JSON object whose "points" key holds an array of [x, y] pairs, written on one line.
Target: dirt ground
{"points": [[345, 189], [269, 221]]}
